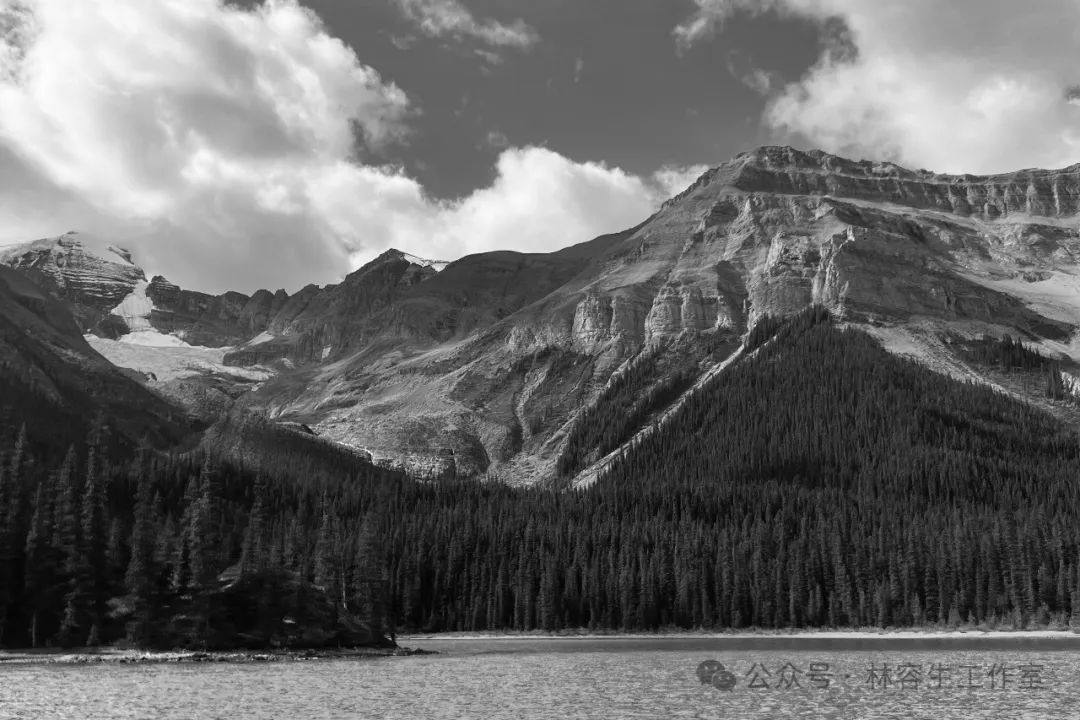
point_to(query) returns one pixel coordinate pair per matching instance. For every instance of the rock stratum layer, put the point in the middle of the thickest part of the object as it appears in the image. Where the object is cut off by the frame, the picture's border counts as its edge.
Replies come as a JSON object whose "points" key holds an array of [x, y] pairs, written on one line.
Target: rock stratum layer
{"points": [[485, 367], [912, 256], [89, 274]]}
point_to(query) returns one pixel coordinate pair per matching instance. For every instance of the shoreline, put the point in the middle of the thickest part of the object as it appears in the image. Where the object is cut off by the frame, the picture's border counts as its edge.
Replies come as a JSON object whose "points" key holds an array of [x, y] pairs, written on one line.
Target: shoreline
{"points": [[115, 656], [778, 635], [852, 639]]}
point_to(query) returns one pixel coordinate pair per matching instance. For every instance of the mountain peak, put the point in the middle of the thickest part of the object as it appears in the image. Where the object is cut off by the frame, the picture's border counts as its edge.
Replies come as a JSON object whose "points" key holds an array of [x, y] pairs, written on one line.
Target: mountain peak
{"points": [[785, 171], [395, 254], [785, 157], [71, 242], [91, 273]]}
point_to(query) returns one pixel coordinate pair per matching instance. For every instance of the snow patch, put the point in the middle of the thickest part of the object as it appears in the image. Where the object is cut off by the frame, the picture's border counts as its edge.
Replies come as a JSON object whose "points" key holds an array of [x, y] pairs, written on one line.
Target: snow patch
{"points": [[436, 265], [1057, 297], [89, 244], [153, 338], [167, 360], [259, 339], [135, 309], [1070, 349]]}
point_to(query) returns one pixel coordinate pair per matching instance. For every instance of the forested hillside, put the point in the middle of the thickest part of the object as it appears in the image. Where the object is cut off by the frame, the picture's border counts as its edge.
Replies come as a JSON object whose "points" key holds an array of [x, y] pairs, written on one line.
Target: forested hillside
{"points": [[819, 481], [185, 550], [649, 384], [52, 381]]}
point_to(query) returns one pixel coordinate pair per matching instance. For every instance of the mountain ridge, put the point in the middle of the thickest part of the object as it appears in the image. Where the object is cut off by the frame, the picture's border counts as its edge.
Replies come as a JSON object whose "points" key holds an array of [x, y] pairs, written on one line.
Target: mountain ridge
{"points": [[493, 359]]}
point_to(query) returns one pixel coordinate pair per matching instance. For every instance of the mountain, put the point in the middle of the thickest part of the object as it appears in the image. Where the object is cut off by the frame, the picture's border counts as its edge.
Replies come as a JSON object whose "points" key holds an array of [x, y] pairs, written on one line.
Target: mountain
{"points": [[928, 264], [819, 481], [56, 383], [111, 298], [807, 392], [499, 364], [92, 276]]}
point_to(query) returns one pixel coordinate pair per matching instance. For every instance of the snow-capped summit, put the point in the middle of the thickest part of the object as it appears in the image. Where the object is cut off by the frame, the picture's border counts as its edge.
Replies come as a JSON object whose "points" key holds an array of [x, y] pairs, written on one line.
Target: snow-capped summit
{"points": [[393, 254], [72, 242], [84, 269], [436, 265]]}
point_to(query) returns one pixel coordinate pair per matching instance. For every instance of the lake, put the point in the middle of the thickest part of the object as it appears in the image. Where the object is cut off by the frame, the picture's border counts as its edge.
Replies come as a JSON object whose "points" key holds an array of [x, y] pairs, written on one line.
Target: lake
{"points": [[583, 678]]}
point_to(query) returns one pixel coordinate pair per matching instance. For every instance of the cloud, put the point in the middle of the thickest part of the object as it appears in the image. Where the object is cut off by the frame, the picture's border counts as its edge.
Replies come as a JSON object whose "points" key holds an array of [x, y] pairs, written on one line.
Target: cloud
{"points": [[967, 86], [402, 42], [671, 180], [496, 139], [231, 149], [185, 121], [439, 18], [761, 81], [489, 57], [710, 16], [540, 201]]}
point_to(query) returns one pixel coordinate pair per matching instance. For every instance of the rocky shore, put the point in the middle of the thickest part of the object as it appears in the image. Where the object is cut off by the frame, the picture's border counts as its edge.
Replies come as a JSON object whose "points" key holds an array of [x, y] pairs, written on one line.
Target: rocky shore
{"points": [[112, 656]]}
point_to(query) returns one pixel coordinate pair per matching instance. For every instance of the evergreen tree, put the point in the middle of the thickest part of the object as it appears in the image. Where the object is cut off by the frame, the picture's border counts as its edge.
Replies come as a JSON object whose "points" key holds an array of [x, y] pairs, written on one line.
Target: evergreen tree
{"points": [[142, 572]]}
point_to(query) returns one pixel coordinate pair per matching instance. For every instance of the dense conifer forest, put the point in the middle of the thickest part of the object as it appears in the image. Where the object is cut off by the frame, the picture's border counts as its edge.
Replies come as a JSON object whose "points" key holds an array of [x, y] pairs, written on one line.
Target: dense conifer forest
{"points": [[817, 482], [186, 550]]}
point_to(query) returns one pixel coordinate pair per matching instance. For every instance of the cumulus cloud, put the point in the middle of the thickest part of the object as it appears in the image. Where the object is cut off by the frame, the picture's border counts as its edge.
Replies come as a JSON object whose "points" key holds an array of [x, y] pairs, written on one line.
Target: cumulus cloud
{"points": [[186, 120], [438, 18], [966, 86], [671, 180], [540, 201], [221, 144]]}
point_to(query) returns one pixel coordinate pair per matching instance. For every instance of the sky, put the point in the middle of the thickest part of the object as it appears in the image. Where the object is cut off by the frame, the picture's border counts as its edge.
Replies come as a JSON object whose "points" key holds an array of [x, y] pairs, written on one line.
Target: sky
{"points": [[280, 143]]}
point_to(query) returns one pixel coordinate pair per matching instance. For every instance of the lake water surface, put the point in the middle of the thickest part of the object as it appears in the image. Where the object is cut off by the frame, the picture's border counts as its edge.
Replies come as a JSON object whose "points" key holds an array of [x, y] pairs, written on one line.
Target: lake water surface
{"points": [[580, 678]]}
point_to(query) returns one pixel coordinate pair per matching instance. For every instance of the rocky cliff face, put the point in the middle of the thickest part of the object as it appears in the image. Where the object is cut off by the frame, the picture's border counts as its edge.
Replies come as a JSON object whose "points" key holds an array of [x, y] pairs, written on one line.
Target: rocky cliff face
{"points": [[89, 274], [908, 255], [45, 363], [210, 320], [111, 298], [785, 171], [493, 358], [319, 322]]}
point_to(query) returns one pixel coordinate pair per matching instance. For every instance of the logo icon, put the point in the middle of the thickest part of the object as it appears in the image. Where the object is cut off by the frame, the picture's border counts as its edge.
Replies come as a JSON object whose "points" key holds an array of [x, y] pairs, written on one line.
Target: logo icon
{"points": [[711, 672]]}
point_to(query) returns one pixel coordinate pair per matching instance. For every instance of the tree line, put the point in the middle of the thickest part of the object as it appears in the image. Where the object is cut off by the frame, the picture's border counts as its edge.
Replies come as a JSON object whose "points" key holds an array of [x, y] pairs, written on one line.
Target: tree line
{"points": [[818, 482], [182, 550]]}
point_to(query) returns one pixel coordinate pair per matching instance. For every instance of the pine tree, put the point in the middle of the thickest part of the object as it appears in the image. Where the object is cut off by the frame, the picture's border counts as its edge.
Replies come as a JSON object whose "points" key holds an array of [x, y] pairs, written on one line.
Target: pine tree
{"points": [[7, 555], [92, 586], [369, 601], [41, 559], [254, 556], [68, 539], [11, 492], [141, 577], [325, 561]]}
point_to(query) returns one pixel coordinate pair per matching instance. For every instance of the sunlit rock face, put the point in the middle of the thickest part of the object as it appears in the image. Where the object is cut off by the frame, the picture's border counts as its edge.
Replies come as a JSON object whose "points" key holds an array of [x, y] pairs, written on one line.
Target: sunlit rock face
{"points": [[491, 360], [91, 275], [903, 253], [783, 170], [776, 229]]}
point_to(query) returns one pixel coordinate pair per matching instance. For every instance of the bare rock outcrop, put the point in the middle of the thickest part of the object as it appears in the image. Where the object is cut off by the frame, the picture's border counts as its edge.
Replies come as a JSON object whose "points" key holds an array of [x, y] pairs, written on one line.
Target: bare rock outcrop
{"points": [[493, 357], [90, 275]]}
